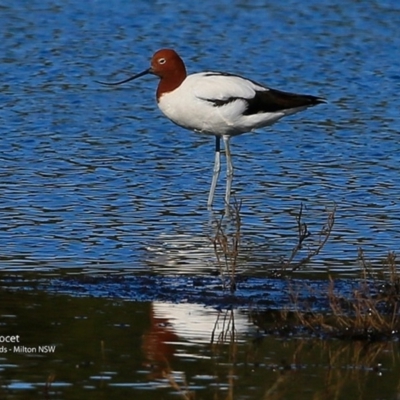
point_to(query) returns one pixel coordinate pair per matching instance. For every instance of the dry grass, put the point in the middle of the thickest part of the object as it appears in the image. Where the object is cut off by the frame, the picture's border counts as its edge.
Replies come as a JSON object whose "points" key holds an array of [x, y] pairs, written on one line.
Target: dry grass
{"points": [[226, 242], [368, 312]]}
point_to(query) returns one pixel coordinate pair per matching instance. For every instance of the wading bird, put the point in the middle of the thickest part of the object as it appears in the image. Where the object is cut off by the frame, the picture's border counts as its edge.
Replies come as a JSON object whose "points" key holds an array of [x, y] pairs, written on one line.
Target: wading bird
{"points": [[219, 104]]}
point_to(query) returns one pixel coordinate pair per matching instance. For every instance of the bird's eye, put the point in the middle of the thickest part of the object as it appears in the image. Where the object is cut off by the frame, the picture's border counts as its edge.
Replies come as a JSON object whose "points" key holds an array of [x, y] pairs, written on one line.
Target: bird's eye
{"points": [[161, 61]]}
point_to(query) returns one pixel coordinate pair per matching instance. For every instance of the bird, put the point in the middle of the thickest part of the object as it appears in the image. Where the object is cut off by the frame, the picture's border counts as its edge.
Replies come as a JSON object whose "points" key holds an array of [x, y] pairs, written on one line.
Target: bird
{"points": [[219, 104]]}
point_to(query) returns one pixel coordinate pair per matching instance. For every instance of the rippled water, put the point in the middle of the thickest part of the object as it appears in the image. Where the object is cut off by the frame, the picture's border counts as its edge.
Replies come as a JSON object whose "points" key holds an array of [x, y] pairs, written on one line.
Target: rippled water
{"points": [[97, 177]]}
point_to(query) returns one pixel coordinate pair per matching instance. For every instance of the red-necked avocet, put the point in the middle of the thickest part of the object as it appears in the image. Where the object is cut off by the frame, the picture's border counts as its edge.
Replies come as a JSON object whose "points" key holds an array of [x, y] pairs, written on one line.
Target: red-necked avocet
{"points": [[219, 104]]}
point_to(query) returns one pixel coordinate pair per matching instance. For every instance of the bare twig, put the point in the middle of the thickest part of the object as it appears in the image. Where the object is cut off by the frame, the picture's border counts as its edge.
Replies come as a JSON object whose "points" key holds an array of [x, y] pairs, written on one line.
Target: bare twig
{"points": [[303, 234]]}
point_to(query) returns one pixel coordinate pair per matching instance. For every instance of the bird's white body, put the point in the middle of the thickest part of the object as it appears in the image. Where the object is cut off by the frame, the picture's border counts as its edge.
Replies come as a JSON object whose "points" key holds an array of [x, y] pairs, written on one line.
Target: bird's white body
{"points": [[192, 105]]}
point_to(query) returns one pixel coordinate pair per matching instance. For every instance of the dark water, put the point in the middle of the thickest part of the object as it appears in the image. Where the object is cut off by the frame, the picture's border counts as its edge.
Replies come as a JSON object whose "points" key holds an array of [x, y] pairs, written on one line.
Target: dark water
{"points": [[107, 348], [97, 180]]}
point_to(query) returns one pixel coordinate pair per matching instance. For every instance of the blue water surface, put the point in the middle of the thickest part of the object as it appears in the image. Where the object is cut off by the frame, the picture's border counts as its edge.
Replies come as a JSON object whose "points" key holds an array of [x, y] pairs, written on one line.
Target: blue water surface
{"points": [[96, 177]]}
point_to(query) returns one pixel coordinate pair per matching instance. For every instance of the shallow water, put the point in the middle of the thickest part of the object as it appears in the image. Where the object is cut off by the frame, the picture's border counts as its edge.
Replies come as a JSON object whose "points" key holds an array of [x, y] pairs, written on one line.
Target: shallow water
{"points": [[95, 180]]}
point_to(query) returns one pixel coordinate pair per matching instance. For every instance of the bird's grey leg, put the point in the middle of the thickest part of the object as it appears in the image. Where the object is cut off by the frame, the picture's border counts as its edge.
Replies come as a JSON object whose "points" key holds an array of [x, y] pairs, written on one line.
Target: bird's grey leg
{"points": [[229, 170], [216, 171]]}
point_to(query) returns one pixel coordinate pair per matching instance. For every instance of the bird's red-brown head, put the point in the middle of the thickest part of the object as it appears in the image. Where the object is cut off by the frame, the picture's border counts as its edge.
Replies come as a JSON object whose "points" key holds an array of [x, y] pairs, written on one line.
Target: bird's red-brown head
{"points": [[167, 65]]}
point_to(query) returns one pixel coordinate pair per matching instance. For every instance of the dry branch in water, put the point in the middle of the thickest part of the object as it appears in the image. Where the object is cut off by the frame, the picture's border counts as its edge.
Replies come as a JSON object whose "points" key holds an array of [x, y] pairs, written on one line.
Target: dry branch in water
{"points": [[303, 234]]}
